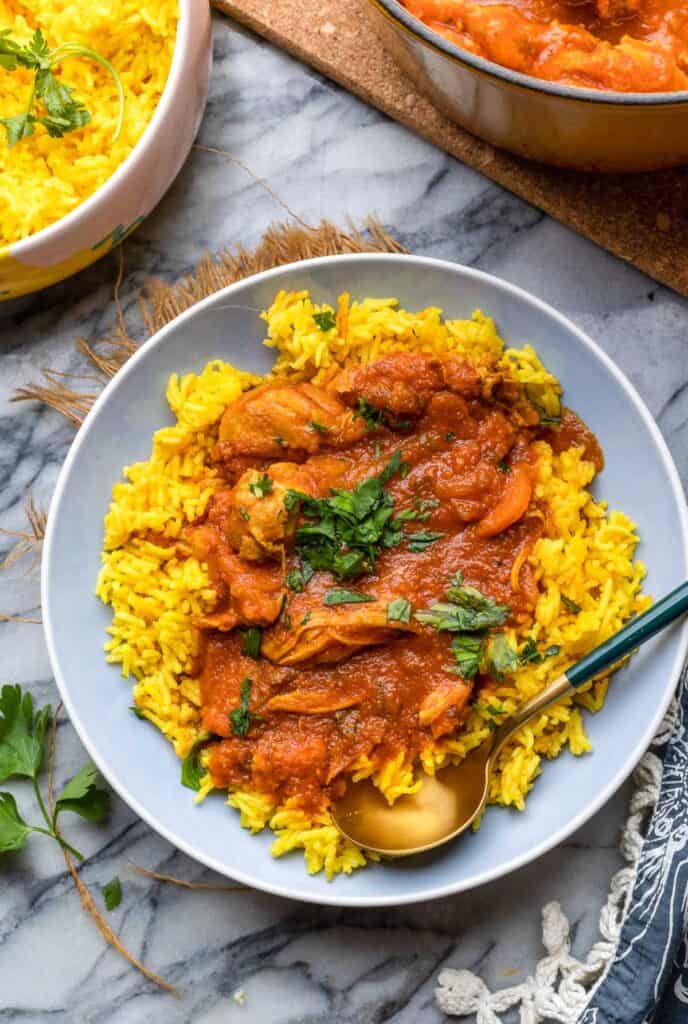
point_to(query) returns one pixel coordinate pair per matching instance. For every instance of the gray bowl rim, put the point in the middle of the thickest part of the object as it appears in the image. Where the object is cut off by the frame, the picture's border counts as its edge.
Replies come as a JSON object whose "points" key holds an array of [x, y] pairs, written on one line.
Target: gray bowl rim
{"points": [[567, 92], [338, 898]]}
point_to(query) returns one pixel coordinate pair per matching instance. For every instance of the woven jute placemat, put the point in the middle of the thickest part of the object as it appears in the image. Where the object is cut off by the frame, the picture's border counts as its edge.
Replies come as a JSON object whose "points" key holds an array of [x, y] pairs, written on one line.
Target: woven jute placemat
{"points": [[641, 218]]}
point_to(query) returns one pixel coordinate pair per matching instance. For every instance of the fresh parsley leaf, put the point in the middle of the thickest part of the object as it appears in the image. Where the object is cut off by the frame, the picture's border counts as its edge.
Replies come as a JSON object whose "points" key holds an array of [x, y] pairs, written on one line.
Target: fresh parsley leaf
{"points": [[450, 436], [18, 127], [298, 578], [529, 652], [552, 651], [13, 828], [22, 734], [421, 541], [392, 468], [570, 605], [340, 596], [501, 657], [548, 414], [253, 639], [280, 441], [326, 320], [468, 650], [192, 769], [372, 417], [82, 796], [240, 718], [465, 611], [503, 466], [492, 712], [399, 610], [112, 894], [138, 712], [307, 618], [320, 427], [261, 486]]}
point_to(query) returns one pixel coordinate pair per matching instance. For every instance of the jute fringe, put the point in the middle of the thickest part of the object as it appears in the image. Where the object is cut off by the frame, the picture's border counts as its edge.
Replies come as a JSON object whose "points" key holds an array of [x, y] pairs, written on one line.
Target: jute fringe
{"points": [[161, 302]]}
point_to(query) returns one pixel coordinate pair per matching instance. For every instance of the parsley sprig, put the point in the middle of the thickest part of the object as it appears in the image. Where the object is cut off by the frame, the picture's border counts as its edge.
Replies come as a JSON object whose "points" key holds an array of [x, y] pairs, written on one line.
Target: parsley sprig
{"points": [[241, 718], [59, 110], [22, 753]]}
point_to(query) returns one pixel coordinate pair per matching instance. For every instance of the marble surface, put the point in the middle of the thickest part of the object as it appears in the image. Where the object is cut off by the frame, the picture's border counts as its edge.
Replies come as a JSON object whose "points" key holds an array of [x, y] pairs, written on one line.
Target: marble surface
{"points": [[327, 155]]}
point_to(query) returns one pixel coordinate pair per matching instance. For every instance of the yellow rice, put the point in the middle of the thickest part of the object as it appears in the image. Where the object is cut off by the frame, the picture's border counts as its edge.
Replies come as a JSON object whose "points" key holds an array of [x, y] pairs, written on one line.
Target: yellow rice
{"points": [[42, 179], [586, 554]]}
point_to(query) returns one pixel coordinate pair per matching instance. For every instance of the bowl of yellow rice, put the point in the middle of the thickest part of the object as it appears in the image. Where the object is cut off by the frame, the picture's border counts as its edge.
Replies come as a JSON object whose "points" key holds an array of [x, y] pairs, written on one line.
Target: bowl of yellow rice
{"points": [[67, 199], [121, 604]]}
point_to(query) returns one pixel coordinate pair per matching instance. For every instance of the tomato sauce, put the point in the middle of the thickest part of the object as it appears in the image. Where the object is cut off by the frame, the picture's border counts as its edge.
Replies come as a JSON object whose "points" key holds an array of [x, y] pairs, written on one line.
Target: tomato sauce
{"points": [[620, 45], [336, 684]]}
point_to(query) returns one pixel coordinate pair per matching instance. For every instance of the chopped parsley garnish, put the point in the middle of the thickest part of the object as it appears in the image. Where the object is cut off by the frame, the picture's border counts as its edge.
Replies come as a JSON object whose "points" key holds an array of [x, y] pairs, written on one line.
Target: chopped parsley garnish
{"points": [[280, 441], [112, 894], [549, 413], [529, 653], [261, 486], [503, 466], [138, 712], [297, 578], [326, 320], [58, 111], [253, 639], [340, 596], [450, 436], [399, 610], [570, 605], [501, 657], [421, 541], [244, 514], [192, 769], [307, 618], [471, 615], [469, 651], [320, 427], [492, 712], [372, 417], [241, 718], [344, 534]]}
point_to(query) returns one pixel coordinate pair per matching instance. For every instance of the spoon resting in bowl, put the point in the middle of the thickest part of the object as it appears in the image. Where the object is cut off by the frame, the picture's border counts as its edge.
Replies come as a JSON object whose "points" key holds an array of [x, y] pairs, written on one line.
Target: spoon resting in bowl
{"points": [[449, 802]]}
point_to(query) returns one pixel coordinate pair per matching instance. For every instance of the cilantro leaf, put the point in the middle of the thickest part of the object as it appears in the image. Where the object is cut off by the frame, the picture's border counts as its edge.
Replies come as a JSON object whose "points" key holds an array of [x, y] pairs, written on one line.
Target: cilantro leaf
{"points": [[253, 638], [570, 605], [552, 651], [340, 596], [326, 320], [297, 579], [468, 650], [320, 427], [82, 796], [18, 127], [112, 894], [241, 718], [13, 829], [501, 657], [261, 486], [399, 610], [22, 735], [529, 652], [372, 417], [422, 540], [192, 769]]}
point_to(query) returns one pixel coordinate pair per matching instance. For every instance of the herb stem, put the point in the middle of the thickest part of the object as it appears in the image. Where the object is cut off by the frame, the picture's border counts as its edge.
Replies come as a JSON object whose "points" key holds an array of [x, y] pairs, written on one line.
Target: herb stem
{"points": [[51, 830], [77, 50], [39, 799]]}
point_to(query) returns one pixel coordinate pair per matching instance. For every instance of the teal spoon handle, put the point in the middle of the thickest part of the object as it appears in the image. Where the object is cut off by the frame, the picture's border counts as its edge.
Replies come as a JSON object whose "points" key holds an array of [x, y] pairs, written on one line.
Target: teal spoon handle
{"points": [[632, 635]]}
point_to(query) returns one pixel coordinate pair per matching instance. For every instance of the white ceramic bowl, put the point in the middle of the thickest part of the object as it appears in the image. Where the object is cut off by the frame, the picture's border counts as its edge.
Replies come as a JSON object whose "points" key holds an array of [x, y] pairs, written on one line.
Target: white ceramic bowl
{"points": [[639, 477], [125, 199]]}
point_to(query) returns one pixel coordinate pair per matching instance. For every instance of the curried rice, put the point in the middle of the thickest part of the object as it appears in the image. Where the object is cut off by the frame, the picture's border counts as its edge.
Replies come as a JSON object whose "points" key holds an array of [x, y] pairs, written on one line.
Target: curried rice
{"points": [[41, 178], [585, 555]]}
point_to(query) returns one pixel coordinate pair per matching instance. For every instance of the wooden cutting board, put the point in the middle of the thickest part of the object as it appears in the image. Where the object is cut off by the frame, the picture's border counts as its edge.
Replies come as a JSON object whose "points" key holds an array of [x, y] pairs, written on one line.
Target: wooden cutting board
{"points": [[641, 218]]}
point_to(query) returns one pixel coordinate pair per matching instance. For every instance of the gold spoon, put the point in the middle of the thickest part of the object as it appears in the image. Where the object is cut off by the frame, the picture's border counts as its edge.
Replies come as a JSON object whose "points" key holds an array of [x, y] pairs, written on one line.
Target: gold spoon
{"points": [[449, 802]]}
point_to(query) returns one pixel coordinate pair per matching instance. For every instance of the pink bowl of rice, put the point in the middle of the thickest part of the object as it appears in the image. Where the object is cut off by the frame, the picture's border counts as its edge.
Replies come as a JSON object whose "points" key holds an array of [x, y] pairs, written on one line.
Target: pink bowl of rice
{"points": [[66, 202]]}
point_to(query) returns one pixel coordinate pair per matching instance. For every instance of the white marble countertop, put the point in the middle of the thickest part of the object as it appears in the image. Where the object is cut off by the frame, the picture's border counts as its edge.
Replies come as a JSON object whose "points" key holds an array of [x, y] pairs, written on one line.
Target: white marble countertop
{"points": [[327, 155]]}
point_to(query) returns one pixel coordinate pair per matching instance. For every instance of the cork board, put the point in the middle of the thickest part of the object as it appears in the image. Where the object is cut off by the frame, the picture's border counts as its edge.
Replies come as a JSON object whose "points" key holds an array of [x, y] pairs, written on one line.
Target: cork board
{"points": [[643, 218]]}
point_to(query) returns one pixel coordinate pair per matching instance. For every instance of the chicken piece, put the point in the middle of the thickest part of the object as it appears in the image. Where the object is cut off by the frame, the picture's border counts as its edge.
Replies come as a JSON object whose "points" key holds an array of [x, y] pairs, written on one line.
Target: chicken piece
{"points": [[258, 523], [312, 702], [277, 418], [332, 634], [403, 383], [610, 10], [254, 594], [442, 708]]}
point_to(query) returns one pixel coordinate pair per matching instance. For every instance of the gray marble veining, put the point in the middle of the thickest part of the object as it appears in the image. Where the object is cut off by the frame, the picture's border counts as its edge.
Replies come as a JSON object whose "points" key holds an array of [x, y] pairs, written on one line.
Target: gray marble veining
{"points": [[326, 154]]}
